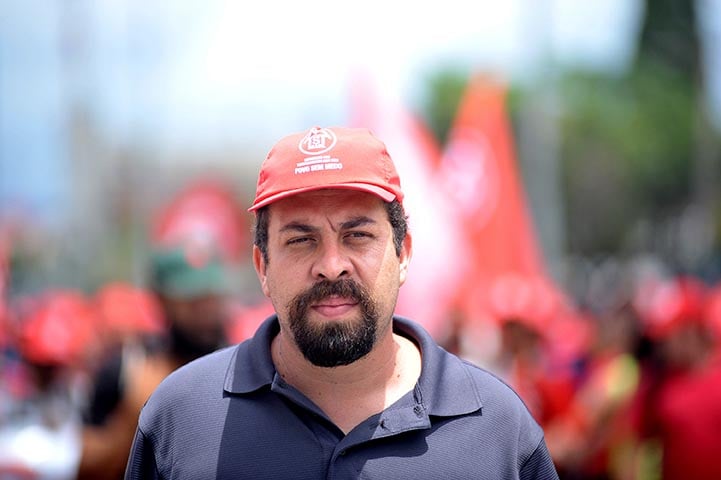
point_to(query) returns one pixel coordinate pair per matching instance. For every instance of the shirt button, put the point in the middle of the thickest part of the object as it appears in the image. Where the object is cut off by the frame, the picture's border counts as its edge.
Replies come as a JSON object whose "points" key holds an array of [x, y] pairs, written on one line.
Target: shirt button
{"points": [[342, 453], [418, 410]]}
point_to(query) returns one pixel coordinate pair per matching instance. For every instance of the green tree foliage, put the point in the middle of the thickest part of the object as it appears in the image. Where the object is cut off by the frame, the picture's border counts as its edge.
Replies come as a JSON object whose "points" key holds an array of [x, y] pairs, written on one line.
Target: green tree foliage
{"points": [[627, 150], [669, 36], [444, 91], [628, 145]]}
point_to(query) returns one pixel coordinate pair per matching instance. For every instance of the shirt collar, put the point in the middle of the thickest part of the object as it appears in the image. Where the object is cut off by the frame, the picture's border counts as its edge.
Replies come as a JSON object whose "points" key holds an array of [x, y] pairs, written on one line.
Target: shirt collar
{"points": [[445, 386], [251, 366]]}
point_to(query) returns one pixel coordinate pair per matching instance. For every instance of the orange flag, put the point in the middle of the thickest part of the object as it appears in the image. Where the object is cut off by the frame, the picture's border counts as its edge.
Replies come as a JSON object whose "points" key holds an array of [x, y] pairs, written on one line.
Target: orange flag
{"points": [[504, 272]]}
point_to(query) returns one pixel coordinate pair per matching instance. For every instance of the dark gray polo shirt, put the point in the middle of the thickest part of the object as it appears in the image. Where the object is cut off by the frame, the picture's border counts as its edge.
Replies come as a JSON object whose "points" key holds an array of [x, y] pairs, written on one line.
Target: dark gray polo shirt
{"points": [[229, 415]]}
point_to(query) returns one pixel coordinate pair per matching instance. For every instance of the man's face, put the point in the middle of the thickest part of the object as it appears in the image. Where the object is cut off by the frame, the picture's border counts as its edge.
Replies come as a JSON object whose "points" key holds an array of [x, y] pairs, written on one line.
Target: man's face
{"points": [[333, 274], [197, 325], [683, 347]]}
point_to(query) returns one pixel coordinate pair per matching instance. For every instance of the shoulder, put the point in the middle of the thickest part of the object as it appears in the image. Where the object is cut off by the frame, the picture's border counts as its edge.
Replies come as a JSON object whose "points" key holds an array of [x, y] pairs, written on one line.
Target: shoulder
{"points": [[452, 385], [204, 383], [457, 391], [490, 386], [502, 414], [468, 402], [192, 384], [492, 393], [501, 401]]}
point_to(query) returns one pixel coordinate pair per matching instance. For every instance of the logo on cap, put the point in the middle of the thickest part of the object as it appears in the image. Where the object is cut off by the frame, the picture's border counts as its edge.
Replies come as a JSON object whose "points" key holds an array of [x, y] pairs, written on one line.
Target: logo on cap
{"points": [[317, 141]]}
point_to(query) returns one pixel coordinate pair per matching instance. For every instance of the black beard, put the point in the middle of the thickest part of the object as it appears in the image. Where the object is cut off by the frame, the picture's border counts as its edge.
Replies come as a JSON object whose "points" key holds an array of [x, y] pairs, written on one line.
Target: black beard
{"points": [[186, 346], [338, 343]]}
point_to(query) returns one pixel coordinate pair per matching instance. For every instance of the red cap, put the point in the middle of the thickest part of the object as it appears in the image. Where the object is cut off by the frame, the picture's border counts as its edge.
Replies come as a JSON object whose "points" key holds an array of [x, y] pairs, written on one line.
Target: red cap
{"points": [[531, 301], [665, 305], [59, 329], [126, 309], [321, 158]]}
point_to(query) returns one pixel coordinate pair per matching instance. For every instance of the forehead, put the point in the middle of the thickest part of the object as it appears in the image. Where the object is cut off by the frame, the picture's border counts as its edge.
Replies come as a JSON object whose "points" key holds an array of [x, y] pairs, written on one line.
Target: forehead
{"points": [[334, 204]]}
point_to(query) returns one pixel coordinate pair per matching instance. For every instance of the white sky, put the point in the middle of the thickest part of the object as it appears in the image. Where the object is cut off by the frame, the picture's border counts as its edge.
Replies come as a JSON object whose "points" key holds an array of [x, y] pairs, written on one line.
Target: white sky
{"points": [[272, 67]]}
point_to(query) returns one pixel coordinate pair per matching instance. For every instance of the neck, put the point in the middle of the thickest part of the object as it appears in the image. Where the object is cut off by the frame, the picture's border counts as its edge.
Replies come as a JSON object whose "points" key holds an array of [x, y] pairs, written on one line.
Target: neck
{"points": [[349, 394]]}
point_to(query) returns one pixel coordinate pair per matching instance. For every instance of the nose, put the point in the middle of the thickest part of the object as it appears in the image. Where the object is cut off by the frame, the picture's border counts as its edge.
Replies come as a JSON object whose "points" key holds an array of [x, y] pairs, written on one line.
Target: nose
{"points": [[331, 263]]}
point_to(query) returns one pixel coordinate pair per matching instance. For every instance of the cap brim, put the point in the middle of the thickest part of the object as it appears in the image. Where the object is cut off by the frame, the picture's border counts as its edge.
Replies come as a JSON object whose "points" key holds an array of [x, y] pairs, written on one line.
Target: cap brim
{"points": [[385, 195]]}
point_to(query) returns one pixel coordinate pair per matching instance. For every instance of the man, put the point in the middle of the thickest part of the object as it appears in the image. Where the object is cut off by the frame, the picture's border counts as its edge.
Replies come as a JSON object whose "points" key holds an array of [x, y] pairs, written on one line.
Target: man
{"points": [[190, 286], [677, 409], [333, 385]]}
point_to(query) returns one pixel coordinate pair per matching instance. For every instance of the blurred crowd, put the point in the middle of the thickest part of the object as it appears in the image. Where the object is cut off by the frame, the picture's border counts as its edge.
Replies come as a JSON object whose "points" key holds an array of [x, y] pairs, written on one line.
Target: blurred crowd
{"points": [[629, 391]]}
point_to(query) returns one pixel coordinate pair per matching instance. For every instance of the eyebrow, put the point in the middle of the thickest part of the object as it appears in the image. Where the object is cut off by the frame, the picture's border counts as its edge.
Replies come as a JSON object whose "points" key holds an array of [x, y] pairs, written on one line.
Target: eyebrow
{"points": [[348, 224], [298, 227], [357, 222]]}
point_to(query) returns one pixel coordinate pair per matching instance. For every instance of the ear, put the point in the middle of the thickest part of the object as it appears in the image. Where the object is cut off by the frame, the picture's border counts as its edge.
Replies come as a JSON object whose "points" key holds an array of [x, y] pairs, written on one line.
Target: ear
{"points": [[260, 269], [405, 257]]}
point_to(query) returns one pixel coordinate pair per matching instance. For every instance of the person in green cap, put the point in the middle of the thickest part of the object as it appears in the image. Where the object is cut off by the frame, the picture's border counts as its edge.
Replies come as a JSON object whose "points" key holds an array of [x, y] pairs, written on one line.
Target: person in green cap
{"points": [[192, 291]]}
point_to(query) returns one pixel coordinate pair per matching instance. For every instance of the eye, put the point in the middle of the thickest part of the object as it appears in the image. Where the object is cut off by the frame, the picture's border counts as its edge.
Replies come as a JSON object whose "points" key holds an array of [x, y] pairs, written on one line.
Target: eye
{"points": [[358, 235], [298, 240]]}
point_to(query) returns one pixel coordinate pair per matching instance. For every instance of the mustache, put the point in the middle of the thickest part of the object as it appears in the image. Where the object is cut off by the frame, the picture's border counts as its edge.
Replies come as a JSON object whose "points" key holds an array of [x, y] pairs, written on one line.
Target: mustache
{"points": [[346, 288]]}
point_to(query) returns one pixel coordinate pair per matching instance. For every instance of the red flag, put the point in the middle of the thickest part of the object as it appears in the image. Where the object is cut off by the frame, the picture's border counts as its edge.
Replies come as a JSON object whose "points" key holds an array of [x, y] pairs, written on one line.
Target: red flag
{"points": [[481, 177], [204, 215], [429, 289]]}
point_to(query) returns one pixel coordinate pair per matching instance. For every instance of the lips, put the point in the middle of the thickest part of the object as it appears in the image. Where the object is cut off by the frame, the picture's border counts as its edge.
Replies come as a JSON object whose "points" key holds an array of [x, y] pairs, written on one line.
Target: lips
{"points": [[334, 306]]}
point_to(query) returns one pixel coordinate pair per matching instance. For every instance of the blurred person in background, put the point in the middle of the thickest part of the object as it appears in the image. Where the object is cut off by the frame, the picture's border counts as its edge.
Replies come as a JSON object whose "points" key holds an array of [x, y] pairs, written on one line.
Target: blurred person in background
{"points": [[677, 411], [6, 347], [4, 281], [191, 289], [523, 363], [527, 313], [598, 445], [43, 387], [712, 312]]}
